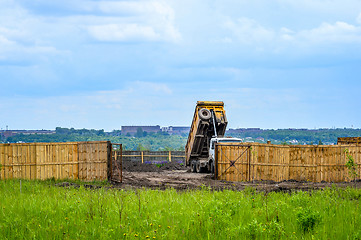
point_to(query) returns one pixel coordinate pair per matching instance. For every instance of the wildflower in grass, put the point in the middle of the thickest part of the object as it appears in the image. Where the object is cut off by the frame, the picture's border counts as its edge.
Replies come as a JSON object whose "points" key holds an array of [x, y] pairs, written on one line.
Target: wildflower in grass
{"points": [[135, 235], [66, 218], [153, 237], [168, 226], [146, 236], [151, 224], [159, 225], [124, 234]]}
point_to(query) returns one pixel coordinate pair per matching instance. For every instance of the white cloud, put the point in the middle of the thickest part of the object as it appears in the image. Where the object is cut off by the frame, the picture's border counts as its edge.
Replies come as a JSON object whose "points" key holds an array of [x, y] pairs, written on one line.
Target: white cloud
{"points": [[5, 42], [249, 31], [123, 32], [138, 8], [340, 32], [139, 21], [23, 37]]}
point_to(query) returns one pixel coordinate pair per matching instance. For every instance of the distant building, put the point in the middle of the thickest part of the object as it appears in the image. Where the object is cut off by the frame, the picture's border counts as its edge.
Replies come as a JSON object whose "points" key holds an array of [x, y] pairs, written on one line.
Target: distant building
{"points": [[10, 133], [260, 139], [176, 130], [132, 130]]}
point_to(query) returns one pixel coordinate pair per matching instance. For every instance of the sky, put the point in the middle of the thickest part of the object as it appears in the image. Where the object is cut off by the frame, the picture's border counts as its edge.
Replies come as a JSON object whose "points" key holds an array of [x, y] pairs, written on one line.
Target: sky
{"points": [[106, 64]]}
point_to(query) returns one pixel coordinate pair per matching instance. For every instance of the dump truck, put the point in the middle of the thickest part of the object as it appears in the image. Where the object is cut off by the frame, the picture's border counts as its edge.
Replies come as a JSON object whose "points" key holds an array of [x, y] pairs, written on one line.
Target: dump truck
{"points": [[208, 128]]}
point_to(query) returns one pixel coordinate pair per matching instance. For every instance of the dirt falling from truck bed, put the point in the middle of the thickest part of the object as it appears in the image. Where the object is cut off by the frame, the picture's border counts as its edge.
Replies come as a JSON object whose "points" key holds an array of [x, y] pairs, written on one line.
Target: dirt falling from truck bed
{"points": [[174, 175]]}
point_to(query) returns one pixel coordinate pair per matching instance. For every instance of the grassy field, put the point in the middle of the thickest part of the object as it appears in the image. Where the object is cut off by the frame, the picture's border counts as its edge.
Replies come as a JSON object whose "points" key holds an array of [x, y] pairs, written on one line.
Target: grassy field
{"points": [[41, 210]]}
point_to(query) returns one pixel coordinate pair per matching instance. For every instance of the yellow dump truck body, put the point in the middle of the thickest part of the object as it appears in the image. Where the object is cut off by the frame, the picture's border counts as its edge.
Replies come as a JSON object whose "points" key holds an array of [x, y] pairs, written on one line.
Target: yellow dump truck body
{"points": [[202, 130]]}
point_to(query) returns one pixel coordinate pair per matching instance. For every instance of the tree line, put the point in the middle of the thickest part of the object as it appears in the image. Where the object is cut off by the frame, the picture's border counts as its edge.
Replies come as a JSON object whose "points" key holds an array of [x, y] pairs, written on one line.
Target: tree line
{"points": [[164, 142]]}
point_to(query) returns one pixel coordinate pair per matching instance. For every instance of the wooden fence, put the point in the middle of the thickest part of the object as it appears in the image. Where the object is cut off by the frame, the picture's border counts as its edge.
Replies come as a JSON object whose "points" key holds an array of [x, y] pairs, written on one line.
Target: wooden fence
{"points": [[248, 162], [349, 140], [151, 156], [73, 160]]}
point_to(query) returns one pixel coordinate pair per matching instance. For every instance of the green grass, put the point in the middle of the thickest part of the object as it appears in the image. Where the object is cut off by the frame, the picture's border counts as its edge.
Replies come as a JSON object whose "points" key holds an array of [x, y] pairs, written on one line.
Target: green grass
{"points": [[40, 210]]}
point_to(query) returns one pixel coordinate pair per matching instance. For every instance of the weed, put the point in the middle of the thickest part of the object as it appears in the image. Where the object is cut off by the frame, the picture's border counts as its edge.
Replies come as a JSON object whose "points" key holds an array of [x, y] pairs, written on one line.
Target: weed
{"points": [[160, 164], [275, 229], [351, 165], [356, 236], [307, 219], [253, 229]]}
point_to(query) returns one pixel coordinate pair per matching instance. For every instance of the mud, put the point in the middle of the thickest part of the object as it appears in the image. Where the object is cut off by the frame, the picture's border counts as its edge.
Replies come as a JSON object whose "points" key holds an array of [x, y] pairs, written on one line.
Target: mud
{"points": [[179, 177], [175, 175]]}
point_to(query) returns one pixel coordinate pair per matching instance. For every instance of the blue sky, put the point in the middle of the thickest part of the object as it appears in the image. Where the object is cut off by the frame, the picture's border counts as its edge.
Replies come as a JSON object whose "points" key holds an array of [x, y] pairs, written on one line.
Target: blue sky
{"points": [[103, 64]]}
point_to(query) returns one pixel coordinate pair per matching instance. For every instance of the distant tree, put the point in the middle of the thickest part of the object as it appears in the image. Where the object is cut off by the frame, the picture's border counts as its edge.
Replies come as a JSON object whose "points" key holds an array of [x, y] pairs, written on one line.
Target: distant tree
{"points": [[116, 133], [100, 132], [141, 148], [60, 130]]}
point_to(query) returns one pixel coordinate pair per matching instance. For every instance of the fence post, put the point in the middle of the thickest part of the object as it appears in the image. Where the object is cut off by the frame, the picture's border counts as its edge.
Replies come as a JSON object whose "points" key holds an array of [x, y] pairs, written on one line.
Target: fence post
{"points": [[110, 160], [142, 156], [121, 162], [170, 156], [249, 152]]}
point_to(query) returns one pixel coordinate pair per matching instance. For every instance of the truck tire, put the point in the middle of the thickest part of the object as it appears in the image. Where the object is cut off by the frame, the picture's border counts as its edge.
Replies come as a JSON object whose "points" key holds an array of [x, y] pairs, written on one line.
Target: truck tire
{"points": [[204, 114], [212, 168], [194, 167], [200, 169]]}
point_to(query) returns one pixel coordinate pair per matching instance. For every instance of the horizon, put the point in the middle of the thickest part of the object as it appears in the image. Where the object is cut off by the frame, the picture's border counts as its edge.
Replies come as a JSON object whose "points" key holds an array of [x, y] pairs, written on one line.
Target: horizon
{"points": [[100, 64], [264, 129]]}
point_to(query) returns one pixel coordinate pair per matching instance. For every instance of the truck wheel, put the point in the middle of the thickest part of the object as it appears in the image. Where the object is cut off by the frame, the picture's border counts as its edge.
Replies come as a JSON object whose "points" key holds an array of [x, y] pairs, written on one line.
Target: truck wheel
{"points": [[198, 167], [194, 167], [204, 114]]}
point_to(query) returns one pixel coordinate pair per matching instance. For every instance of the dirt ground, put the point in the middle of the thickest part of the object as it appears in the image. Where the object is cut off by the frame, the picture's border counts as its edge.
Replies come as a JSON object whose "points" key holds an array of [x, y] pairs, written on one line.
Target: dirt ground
{"points": [[174, 175]]}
